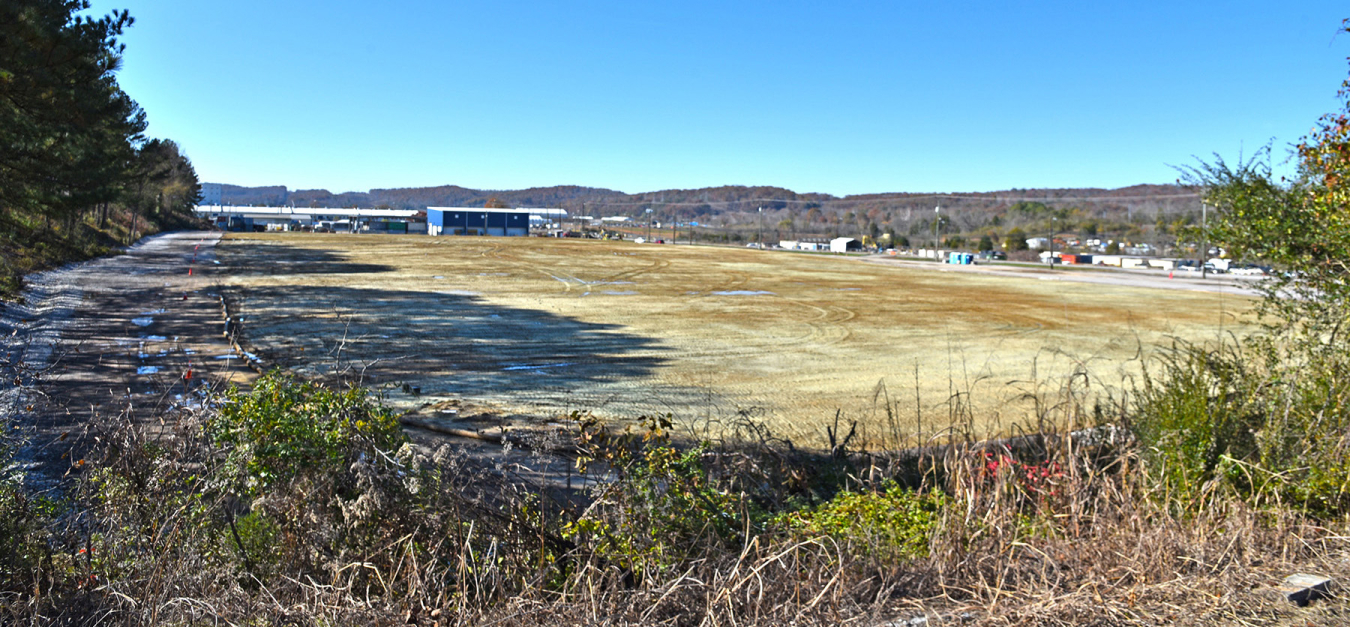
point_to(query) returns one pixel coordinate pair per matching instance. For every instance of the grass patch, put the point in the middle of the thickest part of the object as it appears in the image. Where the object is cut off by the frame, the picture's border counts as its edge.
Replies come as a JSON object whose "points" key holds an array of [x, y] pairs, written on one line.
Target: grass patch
{"points": [[297, 503]]}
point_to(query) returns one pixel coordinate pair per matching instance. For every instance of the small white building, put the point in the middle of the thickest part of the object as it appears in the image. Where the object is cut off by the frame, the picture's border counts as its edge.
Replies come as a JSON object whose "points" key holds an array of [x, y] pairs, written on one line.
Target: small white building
{"points": [[844, 244]]}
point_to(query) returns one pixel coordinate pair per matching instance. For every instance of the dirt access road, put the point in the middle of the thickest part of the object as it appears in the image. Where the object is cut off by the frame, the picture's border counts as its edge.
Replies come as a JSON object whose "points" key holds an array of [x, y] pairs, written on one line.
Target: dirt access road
{"points": [[113, 337], [1151, 279]]}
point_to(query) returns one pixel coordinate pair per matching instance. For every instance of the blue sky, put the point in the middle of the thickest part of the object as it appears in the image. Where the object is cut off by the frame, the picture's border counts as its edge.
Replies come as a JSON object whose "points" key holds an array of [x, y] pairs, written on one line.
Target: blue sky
{"points": [[837, 97]]}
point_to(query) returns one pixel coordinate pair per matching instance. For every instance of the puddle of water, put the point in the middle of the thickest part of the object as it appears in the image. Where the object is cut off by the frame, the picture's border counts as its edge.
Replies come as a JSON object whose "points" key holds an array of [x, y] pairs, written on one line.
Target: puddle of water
{"points": [[147, 370], [743, 293], [621, 293], [438, 277], [188, 351], [154, 338], [142, 355], [142, 322], [231, 356], [152, 313]]}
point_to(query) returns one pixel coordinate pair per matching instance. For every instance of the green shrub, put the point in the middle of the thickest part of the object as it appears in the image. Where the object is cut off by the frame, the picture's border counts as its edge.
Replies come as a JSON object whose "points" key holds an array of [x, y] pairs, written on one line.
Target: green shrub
{"points": [[286, 427], [1270, 426], [1198, 412], [25, 519], [892, 523], [662, 507]]}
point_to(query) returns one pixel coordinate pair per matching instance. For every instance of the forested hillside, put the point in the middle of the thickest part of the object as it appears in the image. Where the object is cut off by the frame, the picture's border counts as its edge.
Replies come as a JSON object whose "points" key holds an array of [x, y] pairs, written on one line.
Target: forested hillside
{"points": [[77, 174], [1155, 214]]}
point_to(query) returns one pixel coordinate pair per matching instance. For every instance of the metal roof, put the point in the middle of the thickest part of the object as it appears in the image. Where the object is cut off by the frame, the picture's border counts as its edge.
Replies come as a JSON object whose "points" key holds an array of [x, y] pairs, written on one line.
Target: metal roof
{"points": [[301, 213]]}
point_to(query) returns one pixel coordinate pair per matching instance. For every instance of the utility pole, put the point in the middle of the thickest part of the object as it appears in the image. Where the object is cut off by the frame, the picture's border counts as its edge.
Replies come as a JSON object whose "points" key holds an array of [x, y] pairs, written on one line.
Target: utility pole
{"points": [[649, 225]]}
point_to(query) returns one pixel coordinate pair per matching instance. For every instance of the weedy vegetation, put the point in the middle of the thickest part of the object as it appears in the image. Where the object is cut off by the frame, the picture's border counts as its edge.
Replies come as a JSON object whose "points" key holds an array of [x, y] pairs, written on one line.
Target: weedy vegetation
{"points": [[1222, 471]]}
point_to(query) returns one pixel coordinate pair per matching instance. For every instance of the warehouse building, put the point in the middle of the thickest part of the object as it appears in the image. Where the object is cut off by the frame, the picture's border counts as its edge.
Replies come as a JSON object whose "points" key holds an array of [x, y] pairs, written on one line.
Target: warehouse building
{"points": [[481, 221], [477, 221], [237, 218]]}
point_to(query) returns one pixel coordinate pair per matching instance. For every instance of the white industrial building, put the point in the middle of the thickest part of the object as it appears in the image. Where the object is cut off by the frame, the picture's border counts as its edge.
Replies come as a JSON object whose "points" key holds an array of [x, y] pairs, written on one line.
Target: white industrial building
{"points": [[233, 217], [212, 194]]}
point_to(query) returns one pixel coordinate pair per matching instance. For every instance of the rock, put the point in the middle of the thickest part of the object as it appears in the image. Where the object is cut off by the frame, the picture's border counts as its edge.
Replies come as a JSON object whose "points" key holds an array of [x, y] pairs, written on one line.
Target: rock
{"points": [[1302, 588]]}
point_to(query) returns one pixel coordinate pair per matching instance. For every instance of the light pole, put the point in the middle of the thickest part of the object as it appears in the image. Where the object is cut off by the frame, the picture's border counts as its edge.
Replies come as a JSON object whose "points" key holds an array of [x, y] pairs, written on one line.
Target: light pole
{"points": [[649, 225], [761, 228], [937, 220], [1051, 260], [1204, 238]]}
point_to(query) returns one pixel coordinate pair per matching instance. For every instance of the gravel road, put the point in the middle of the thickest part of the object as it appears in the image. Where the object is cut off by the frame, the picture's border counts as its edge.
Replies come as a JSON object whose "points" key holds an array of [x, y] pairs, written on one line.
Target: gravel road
{"points": [[126, 336]]}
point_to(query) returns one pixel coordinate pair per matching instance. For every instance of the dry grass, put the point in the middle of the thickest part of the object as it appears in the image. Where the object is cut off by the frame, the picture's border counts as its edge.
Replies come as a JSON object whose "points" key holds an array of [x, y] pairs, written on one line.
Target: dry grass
{"points": [[1091, 541], [535, 327]]}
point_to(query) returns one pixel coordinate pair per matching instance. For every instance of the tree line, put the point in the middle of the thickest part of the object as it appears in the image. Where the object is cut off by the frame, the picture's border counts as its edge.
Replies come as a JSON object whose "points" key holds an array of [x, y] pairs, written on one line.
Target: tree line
{"points": [[74, 158]]}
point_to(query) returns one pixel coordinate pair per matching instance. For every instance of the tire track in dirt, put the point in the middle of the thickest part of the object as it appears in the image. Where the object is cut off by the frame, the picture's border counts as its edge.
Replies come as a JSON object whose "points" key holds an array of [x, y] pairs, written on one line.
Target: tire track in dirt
{"points": [[822, 330], [135, 334], [566, 279], [735, 281], [659, 264]]}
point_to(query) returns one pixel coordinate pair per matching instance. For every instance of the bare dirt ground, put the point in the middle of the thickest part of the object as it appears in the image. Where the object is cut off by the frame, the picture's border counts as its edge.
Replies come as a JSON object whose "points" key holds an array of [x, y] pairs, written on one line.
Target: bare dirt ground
{"points": [[523, 329], [114, 338]]}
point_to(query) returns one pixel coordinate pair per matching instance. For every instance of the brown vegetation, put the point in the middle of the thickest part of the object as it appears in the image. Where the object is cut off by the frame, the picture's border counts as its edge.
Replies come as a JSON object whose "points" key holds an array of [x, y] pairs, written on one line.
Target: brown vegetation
{"points": [[536, 327]]}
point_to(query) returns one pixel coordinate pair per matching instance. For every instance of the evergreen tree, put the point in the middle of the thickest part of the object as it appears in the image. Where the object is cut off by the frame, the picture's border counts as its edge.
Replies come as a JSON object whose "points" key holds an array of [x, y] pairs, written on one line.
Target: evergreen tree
{"points": [[67, 130]]}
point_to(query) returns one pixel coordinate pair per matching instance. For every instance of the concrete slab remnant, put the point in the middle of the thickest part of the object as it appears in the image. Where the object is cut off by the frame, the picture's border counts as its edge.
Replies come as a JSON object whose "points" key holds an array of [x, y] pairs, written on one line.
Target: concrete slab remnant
{"points": [[1302, 588]]}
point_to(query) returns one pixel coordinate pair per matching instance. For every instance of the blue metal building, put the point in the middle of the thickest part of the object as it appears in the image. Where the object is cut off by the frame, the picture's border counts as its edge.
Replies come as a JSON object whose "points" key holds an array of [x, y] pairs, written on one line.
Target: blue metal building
{"points": [[477, 221]]}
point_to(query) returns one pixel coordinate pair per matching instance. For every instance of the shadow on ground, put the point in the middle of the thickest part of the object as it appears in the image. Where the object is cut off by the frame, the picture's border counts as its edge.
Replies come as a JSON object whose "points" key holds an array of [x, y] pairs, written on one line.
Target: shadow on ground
{"points": [[445, 343], [267, 258]]}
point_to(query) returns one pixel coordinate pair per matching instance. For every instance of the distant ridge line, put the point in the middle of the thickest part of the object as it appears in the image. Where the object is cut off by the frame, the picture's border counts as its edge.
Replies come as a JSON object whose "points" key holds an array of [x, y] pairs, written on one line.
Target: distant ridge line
{"points": [[906, 197]]}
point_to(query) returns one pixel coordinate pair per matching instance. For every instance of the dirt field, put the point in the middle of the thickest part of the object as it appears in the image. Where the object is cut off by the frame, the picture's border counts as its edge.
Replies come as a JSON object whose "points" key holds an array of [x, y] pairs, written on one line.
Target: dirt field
{"points": [[531, 327]]}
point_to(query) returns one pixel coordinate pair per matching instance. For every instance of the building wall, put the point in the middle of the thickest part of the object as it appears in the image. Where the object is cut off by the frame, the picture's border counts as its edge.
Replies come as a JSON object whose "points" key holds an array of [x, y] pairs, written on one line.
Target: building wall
{"points": [[211, 194], [467, 221]]}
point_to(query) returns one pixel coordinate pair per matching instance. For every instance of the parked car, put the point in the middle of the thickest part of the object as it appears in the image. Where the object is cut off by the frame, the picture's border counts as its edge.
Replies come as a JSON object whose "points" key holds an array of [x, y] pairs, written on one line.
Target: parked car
{"points": [[1250, 270]]}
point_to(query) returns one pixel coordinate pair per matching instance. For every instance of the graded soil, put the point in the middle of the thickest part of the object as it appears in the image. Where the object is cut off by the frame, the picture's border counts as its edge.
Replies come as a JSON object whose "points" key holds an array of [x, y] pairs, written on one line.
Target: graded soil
{"points": [[526, 329]]}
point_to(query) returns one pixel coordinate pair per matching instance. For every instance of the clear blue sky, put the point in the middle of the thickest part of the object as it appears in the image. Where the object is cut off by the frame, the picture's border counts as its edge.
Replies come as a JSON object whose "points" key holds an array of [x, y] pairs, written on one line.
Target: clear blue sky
{"points": [[838, 97]]}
